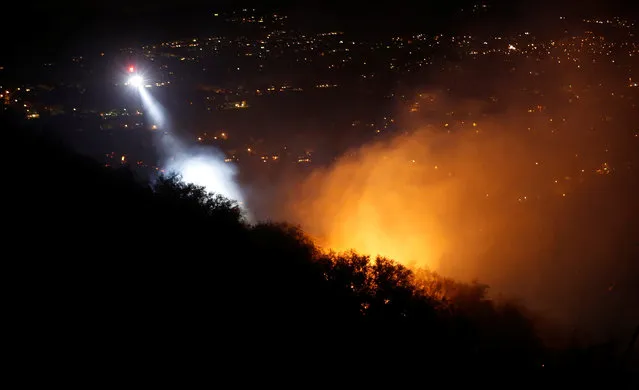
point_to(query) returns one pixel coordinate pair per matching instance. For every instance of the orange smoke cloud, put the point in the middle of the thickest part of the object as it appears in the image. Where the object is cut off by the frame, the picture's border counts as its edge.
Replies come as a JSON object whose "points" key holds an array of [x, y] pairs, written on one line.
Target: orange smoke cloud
{"points": [[418, 197], [375, 202], [512, 199]]}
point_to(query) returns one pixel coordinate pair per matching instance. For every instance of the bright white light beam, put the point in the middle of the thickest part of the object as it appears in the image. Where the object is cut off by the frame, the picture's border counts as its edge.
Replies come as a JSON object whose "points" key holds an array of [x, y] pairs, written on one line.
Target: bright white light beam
{"points": [[152, 107], [201, 166]]}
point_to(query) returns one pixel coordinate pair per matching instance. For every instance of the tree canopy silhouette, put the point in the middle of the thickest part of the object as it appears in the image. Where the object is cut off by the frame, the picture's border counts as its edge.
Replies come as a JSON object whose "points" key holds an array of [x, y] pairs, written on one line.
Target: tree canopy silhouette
{"points": [[101, 264]]}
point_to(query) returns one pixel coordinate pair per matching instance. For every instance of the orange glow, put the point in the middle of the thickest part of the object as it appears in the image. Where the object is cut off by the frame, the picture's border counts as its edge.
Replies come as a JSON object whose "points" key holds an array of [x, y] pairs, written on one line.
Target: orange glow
{"points": [[358, 212], [489, 207], [535, 198], [428, 206]]}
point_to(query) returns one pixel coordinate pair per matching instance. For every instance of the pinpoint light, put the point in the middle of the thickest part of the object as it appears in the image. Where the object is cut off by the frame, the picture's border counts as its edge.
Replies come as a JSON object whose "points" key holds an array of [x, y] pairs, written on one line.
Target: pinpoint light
{"points": [[135, 81]]}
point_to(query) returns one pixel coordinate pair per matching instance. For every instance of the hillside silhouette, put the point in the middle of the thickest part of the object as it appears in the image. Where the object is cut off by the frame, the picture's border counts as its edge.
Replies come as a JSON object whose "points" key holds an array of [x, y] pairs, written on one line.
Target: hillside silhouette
{"points": [[107, 276]]}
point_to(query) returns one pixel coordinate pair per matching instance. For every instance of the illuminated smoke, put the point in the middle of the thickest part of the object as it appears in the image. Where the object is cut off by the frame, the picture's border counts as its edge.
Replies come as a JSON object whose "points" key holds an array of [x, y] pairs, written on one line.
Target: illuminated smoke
{"points": [[202, 166], [541, 210]]}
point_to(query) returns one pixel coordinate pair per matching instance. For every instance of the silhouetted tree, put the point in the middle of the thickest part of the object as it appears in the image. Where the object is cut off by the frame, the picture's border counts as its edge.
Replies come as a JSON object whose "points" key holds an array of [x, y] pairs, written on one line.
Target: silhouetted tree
{"points": [[101, 265]]}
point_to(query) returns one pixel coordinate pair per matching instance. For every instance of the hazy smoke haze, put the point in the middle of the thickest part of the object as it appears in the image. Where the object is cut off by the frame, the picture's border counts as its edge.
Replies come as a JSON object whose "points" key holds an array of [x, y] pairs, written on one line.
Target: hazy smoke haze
{"points": [[541, 205]]}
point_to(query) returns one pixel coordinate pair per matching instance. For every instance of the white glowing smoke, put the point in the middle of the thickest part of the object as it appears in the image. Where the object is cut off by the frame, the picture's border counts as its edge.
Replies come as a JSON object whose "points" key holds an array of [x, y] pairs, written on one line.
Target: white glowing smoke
{"points": [[202, 166]]}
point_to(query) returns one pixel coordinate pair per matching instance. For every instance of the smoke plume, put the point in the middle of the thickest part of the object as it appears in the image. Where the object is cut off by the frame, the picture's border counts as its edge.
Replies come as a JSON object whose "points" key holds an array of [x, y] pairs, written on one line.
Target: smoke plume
{"points": [[200, 165], [538, 202]]}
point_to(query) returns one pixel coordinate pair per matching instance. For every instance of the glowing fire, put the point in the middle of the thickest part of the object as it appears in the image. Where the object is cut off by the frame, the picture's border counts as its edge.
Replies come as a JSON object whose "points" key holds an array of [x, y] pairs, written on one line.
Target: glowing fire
{"points": [[377, 206], [534, 206]]}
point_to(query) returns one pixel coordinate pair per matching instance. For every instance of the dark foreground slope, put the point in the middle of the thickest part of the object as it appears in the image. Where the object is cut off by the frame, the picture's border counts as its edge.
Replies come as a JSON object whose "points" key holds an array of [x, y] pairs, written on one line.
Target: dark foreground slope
{"points": [[107, 279]]}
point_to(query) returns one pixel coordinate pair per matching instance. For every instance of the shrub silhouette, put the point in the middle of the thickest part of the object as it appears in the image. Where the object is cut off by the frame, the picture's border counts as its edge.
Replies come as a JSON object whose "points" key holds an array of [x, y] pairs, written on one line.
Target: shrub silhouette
{"points": [[100, 264]]}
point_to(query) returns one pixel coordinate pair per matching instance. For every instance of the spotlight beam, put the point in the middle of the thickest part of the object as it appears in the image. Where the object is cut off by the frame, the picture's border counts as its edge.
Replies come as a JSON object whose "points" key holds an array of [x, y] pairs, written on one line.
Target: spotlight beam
{"points": [[201, 166]]}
